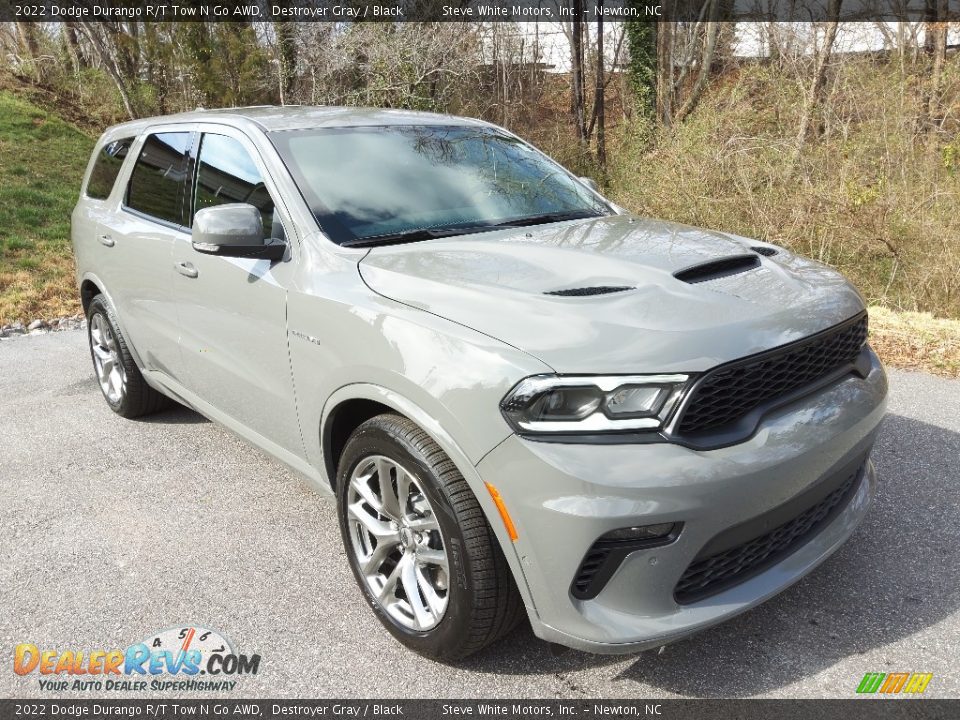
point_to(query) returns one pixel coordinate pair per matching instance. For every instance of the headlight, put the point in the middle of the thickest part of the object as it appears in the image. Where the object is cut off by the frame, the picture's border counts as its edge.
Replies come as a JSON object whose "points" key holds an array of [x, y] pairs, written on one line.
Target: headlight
{"points": [[592, 404]]}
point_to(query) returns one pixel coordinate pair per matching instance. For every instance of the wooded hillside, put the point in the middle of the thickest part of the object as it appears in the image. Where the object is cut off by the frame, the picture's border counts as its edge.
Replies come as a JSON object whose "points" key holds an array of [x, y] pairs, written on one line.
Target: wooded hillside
{"points": [[848, 155]]}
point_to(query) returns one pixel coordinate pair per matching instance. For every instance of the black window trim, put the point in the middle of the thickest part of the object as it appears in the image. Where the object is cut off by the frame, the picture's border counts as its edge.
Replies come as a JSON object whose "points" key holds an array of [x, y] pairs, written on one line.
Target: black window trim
{"points": [[132, 139], [152, 218], [193, 167], [126, 191], [192, 156]]}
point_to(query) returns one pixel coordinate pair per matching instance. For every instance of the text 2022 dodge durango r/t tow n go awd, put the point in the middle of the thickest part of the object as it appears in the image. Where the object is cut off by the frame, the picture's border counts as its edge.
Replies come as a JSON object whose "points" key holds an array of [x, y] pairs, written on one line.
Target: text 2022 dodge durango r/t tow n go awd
{"points": [[523, 397]]}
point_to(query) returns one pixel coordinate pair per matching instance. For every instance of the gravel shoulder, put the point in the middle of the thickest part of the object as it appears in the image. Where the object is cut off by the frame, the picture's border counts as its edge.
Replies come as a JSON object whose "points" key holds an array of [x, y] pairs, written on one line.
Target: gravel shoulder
{"points": [[114, 529]]}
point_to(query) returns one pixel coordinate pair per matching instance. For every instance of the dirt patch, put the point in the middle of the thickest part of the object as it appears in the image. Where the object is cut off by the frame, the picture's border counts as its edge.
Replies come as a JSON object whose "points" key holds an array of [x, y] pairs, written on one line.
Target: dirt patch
{"points": [[916, 341]]}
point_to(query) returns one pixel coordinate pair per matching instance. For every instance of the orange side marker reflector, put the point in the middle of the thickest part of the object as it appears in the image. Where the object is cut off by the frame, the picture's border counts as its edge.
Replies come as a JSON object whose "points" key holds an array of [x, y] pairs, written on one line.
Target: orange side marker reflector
{"points": [[504, 515]]}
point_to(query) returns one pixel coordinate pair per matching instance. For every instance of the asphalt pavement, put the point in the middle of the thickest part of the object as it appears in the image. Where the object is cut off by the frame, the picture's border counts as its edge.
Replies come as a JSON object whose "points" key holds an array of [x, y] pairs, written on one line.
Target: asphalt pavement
{"points": [[111, 530]]}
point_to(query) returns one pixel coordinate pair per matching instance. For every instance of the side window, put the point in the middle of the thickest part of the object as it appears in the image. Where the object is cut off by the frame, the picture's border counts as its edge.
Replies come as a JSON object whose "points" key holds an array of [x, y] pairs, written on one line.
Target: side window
{"points": [[227, 174], [158, 179], [106, 168]]}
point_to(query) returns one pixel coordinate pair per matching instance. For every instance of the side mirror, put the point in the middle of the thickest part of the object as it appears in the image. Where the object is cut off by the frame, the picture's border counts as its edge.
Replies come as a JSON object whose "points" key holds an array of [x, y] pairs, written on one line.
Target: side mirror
{"points": [[590, 183], [233, 230]]}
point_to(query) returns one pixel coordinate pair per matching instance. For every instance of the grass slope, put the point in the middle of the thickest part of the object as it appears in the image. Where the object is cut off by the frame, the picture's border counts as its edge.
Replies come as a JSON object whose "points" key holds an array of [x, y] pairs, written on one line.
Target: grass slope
{"points": [[42, 160]]}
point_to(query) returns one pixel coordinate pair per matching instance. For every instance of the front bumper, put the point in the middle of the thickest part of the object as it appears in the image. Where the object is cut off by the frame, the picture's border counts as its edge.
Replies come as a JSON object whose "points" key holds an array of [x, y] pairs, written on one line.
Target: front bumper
{"points": [[563, 497]]}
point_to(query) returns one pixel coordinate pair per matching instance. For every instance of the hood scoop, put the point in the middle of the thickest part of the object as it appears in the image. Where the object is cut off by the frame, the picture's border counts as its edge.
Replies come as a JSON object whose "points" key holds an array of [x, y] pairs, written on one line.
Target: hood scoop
{"points": [[590, 291], [765, 251], [716, 269]]}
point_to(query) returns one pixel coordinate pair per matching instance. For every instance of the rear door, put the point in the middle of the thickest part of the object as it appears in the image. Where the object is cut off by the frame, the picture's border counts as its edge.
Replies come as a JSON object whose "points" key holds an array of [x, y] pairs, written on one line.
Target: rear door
{"points": [[92, 218], [233, 311], [141, 237]]}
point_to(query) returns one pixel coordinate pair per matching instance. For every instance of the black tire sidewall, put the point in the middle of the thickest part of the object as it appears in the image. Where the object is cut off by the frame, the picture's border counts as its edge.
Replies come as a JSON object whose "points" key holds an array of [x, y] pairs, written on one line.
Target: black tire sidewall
{"points": [[98, 306], [454, 629]]}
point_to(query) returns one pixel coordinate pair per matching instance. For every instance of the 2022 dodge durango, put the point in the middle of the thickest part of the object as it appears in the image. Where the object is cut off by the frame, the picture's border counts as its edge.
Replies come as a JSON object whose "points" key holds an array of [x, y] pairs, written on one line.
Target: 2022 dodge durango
{"points": [[526, 400]]}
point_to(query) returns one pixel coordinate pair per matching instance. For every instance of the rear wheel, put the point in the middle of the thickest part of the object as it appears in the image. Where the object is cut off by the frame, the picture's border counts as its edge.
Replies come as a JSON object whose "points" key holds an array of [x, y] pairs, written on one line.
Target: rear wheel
{"points": [[121, 382], [419, 545]]}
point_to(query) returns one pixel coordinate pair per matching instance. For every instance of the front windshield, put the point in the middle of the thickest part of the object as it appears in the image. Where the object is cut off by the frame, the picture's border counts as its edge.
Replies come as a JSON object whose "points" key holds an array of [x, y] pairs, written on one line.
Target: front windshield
{"points": [[369, 183]]}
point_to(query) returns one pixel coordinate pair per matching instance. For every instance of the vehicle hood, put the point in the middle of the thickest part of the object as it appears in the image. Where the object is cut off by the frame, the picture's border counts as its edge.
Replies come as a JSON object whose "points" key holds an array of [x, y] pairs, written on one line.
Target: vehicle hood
{"points": [[497, 283]]}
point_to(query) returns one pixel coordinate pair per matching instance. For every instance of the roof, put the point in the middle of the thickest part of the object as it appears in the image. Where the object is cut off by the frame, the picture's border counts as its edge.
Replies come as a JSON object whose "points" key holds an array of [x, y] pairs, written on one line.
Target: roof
{"points": [[297, 117]]}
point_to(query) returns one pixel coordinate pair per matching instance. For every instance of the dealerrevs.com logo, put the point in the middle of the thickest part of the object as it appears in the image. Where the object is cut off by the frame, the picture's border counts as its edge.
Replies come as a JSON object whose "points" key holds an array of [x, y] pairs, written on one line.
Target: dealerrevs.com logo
{"points": [[177, 659]]}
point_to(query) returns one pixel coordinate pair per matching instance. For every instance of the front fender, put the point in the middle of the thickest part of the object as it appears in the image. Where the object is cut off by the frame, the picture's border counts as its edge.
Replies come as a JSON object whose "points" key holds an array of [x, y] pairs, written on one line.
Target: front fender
{"points": [[435, 419], [434, 423]]}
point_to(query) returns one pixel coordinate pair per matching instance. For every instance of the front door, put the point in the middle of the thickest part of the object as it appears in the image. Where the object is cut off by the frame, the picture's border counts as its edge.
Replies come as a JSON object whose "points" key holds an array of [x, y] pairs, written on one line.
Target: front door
{"points": [[233, 311]]}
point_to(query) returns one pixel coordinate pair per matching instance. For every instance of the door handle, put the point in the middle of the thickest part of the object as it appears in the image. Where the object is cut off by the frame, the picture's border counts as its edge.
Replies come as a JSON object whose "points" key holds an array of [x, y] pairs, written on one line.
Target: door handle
{"points": [[106, 240], [187, 269]]}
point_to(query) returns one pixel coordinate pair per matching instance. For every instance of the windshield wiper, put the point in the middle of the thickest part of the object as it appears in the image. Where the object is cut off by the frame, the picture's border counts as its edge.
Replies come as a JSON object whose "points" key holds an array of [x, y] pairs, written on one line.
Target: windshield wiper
{"points": [[418, 234], [391, 238], [548, 218]]}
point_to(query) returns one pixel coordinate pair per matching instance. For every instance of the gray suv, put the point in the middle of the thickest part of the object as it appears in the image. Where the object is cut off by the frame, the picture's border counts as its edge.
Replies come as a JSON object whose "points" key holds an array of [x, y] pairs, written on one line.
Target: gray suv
{"points": [[526, 400]]}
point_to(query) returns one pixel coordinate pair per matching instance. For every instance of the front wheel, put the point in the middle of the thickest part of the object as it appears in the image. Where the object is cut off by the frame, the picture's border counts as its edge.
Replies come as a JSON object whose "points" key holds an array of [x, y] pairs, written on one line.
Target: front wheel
{"points": [[419, 545]]}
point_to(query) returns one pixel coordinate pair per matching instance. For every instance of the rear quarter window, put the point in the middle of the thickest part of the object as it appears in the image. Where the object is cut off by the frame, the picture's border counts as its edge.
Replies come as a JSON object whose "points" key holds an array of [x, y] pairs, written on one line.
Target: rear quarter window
{"points": [[106, 168], [158, 179]]}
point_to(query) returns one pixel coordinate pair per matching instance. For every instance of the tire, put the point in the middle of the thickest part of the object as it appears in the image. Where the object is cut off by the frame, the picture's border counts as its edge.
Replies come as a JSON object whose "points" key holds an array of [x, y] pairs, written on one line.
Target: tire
{"points": [[481, 601], [124, 388]]}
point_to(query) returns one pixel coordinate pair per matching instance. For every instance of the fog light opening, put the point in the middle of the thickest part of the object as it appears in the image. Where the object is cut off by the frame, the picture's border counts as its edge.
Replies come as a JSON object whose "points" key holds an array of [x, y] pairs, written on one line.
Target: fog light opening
{"points": [[608, 552], [639, 532]]}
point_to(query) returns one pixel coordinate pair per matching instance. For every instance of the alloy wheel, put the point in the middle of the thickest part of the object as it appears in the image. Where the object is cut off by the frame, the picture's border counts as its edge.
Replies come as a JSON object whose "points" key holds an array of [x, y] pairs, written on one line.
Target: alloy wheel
{"points": [[106, 359], [397, 544]]}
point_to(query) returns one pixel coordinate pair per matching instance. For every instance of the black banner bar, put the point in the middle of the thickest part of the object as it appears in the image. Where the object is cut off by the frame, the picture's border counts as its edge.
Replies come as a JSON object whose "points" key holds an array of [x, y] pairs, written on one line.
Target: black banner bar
{"points": [[473, 10], [872, 708]]}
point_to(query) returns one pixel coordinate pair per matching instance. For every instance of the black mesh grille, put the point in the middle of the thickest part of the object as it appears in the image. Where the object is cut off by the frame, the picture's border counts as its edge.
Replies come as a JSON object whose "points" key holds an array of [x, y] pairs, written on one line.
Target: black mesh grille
{"points": [[713, 574], [724, 395], [587, 291], [765, 251]]}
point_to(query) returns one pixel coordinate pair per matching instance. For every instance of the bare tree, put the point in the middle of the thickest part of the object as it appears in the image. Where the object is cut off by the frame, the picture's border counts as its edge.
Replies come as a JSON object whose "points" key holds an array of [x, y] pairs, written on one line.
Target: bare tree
{"points": [[819, 80], [511, 74], [666, 33], [706, 61], [937, 33], [286, 55], [427, 66], [685, 48], [576, 73], [27, 37], [77, 53], [599, 100], [107, 54]]}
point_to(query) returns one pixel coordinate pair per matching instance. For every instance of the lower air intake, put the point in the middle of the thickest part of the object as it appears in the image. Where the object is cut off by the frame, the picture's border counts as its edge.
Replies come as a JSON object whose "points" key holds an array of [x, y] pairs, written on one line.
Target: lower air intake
{"points": [[710, 575]]}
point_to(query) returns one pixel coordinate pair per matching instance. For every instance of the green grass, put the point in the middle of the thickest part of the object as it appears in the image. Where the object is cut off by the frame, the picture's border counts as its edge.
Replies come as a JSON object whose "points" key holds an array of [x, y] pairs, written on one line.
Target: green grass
{"points": [[42, 160]]}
